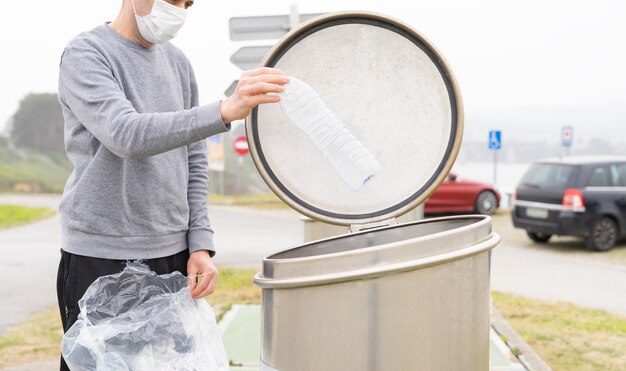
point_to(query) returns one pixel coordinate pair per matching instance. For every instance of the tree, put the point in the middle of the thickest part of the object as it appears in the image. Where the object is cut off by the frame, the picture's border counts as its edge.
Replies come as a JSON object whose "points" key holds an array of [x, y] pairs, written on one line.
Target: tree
{"points": [[38, 123]]}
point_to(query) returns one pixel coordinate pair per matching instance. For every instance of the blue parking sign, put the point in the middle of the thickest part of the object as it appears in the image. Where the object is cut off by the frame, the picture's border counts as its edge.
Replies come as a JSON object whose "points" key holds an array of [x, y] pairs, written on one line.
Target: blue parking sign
{"points": [[495, 140]]}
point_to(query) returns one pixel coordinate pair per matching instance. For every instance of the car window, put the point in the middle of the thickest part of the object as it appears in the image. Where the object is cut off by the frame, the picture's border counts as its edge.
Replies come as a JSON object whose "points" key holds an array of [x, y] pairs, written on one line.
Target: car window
{"points": [[549, 176], [618, 175], [599, 177]]}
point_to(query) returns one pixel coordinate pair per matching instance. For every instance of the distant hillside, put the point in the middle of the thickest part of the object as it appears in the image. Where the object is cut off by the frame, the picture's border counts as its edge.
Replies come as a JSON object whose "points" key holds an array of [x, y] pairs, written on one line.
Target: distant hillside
{"points": [[29, 171], [543, 124]]}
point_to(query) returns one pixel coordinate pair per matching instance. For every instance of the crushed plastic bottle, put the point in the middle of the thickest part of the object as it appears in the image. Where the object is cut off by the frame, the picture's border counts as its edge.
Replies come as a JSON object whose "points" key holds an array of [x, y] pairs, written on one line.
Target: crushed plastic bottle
{"points": [[138, 320], [350, 159]]}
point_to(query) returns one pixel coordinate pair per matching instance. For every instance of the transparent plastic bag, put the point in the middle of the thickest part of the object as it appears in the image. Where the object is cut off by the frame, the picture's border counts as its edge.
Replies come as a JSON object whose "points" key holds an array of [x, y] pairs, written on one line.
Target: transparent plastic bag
{"points": [[138, 320]]}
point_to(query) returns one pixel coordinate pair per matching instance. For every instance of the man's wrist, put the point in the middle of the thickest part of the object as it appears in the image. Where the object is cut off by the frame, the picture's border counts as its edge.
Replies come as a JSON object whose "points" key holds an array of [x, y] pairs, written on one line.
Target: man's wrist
{"points": [[224, 112], [200, 252]]}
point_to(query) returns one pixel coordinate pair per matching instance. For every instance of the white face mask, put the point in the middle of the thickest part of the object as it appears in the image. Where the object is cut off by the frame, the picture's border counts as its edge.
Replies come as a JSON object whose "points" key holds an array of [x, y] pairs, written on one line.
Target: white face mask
{"points": [[163, 22]]}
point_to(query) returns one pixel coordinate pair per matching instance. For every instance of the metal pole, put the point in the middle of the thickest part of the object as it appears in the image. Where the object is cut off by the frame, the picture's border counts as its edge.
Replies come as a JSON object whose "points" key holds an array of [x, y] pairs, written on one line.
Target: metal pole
{"points": [[495, 165], [222, 181], [294, 17], [239, 169]]}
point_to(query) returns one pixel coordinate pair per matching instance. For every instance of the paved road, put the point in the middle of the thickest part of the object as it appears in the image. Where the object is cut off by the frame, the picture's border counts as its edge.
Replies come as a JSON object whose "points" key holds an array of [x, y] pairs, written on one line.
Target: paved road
{"points": [[561, 270], [30, 255]]}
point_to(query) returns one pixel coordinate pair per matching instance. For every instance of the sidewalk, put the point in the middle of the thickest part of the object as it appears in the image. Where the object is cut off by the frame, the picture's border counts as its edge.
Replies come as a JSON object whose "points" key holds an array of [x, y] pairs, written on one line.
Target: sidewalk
{"points": [[241, 333]]}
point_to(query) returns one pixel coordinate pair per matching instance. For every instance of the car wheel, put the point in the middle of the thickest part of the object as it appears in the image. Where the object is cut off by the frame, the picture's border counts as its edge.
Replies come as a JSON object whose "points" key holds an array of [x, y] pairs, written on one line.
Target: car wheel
{"points": [[538, 236], [486, 203], [603, 235]]}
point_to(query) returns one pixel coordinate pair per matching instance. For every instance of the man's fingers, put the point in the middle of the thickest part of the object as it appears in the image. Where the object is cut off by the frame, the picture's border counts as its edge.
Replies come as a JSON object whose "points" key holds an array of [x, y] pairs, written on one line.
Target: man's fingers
{"points": [[210, 288], [263, 70], [272, 79], [191, 280], [261, 88], [255, 100], [204, 282]]}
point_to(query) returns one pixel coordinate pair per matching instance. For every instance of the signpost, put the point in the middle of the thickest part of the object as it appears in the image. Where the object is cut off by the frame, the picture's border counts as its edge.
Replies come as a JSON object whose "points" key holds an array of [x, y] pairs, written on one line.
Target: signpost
{"points": [[249, 57], [231, 89], [271, 27], [240, 146], [567, 138], [495, 144]]}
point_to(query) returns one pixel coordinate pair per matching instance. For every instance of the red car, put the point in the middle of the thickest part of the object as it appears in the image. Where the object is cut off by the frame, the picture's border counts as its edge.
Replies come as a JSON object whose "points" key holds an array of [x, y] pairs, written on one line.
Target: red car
{"points": [[465, 196]]}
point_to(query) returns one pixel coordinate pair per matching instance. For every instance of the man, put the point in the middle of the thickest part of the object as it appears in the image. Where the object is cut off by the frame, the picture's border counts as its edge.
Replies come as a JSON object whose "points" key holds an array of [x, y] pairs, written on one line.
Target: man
{"points": [[136, 137]]}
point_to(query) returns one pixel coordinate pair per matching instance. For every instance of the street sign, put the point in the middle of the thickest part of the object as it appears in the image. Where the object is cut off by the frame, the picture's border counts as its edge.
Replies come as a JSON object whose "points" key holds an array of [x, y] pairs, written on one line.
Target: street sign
{"points": [[240, 145], [231, 89], [567, 136], [265, 27], [271, 27], [495, 140], [249, 57], [215, 144], [495, 144]]}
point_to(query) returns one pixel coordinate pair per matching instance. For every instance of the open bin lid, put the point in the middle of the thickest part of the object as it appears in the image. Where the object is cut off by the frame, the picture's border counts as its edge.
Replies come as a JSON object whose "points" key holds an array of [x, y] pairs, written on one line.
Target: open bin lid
{"points": [[392, 90]]}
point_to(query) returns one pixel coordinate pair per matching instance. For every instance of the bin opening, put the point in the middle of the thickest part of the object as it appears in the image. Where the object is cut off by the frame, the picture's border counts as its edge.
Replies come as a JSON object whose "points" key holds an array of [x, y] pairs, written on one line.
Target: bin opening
{"points": [[375, 237]]}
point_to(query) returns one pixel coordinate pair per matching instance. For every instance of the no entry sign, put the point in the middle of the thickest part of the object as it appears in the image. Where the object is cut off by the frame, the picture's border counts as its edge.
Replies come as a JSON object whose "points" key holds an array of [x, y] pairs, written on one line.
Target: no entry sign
{"points": [[567, 136], [240, 145]]}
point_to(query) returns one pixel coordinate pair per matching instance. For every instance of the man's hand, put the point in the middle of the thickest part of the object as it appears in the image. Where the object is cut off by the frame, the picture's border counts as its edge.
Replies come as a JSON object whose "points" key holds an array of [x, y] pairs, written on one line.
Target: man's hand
{"points": [[200, 263], [251, 91]]}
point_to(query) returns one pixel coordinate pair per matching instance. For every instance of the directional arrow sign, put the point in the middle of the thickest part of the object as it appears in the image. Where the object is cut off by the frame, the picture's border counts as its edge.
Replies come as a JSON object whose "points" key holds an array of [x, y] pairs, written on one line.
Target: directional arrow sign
{"points": [[264, 27], [231, 88], [249, 57]]}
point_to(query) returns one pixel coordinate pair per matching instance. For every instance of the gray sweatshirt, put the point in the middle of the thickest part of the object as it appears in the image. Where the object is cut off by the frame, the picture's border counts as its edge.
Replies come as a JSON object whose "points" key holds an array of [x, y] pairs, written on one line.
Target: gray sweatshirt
{"points": [[136, 137]]}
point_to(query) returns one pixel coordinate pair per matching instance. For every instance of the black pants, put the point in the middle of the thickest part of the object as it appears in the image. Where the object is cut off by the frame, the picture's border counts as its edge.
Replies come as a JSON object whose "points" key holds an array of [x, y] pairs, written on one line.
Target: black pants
{"points": [[77, 272]]}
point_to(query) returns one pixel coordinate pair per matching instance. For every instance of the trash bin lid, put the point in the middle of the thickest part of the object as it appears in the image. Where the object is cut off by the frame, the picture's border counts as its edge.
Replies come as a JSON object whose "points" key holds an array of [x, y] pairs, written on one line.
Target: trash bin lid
{"points": [[390, 89]]}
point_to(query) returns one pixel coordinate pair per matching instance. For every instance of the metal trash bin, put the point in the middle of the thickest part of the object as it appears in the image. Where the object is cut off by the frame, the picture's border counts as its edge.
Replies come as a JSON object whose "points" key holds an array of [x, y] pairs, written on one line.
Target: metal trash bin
{"points": [[386, 295], [413, 296]]}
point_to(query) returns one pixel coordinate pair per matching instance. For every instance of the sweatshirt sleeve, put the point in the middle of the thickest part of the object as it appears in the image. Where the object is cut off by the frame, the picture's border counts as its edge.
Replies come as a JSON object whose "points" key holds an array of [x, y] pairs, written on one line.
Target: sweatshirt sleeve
{"points": [[87, 86], [200, 233]]}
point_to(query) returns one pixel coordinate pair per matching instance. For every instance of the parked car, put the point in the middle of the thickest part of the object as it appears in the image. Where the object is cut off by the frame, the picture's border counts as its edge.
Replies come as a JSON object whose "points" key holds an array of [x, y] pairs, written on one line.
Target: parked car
{"points": [[574, 196], [459, 195]]}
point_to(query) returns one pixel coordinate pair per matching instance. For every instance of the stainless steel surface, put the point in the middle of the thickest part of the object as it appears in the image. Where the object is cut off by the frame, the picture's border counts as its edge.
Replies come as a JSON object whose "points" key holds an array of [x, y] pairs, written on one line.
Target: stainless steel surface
{"points": [[392, 89], [316, 230], [413, 296]]}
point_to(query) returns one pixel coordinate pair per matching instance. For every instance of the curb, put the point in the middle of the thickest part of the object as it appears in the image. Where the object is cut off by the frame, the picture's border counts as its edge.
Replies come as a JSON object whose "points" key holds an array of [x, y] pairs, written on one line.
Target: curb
{"points": [[527, 356]]}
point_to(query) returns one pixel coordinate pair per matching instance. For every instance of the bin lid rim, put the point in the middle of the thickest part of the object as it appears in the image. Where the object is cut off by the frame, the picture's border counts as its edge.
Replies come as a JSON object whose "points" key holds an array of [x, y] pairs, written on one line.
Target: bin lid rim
{"points": [[305, 204], [377, 271], [481, 221]]}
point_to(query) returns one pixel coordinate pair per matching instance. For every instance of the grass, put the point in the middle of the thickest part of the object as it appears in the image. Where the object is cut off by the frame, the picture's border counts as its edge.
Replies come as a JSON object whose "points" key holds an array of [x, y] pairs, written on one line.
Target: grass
{"points": [[567, 336], [39, 337], [34, 172], [12, 215]]}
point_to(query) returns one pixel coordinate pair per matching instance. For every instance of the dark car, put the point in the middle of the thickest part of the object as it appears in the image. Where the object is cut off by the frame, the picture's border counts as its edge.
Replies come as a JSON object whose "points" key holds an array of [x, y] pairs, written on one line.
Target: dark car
{"points": [[574, 196], [456, 195]]}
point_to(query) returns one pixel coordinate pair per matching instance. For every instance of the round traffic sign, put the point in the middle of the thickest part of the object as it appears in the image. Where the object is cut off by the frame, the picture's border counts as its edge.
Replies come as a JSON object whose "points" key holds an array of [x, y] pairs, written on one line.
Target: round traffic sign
{"points": [[240, 145]]}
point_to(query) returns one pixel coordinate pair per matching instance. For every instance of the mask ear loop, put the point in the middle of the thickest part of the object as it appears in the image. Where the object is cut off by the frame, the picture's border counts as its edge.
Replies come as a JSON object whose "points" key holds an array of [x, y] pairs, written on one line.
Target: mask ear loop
{"points": [[134, 9]]}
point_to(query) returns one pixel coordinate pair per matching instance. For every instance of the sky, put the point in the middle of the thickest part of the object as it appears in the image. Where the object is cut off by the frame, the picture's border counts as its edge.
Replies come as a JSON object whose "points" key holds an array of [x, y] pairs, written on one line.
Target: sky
{"points": [[505, 54]]}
